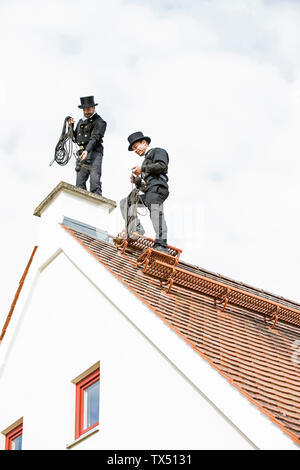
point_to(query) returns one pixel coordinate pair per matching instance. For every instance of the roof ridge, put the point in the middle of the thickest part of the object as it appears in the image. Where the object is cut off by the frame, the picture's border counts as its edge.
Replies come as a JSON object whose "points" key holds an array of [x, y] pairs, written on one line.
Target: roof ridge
{"points": [[241, 284]]}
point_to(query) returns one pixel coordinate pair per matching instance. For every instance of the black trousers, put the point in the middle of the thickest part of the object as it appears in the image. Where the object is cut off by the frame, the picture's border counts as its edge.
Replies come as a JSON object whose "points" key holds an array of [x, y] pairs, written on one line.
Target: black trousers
{"points": [[91, 167], [153, 199]]}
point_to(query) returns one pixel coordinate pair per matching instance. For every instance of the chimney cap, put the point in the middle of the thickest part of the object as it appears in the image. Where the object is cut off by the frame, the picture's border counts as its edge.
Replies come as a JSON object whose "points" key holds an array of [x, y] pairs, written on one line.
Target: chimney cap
{"points": [[70, 188]]}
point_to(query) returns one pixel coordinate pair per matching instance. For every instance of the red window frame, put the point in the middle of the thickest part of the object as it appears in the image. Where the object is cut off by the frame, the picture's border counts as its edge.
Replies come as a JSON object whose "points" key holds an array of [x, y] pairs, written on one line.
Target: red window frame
{"points": [[13, 434], [79, 412]]}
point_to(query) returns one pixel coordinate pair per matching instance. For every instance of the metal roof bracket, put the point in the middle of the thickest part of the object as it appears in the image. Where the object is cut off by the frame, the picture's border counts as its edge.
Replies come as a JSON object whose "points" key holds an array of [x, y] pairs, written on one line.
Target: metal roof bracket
{"points": [[224, 299], [272, 316]]}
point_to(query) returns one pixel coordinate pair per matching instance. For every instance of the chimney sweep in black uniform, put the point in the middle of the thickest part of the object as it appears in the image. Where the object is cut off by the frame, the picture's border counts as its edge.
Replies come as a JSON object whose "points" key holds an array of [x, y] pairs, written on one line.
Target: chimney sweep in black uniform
{"points": [[150, 178], [89, 134]]}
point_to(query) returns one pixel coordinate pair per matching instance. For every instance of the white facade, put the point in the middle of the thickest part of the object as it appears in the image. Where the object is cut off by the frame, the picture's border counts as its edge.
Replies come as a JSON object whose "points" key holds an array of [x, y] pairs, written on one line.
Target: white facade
{"points": [[155, 391]]}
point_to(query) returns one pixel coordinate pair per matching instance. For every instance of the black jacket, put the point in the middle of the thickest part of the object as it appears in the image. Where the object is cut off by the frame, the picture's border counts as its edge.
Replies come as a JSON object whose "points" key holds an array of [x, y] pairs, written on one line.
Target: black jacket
{"points": [[155, 168], [89, 133]]}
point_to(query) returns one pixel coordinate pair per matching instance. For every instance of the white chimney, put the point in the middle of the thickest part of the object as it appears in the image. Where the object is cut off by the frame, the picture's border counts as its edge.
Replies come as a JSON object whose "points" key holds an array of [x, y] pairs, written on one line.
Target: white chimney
{"points": [[67, 202]]}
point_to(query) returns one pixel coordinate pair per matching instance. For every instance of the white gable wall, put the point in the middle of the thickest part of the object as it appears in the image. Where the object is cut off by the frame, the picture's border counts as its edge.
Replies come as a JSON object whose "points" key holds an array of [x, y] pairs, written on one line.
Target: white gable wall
{"points": [[145, 401], [156, 391]]}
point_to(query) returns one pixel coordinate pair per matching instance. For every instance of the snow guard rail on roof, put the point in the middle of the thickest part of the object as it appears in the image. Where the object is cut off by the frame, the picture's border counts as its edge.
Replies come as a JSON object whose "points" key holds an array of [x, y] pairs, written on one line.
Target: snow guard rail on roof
{"points": [[165, 268]]}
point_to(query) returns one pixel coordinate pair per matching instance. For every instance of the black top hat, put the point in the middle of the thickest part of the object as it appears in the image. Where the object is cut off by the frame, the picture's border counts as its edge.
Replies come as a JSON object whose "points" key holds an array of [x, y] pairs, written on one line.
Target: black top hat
{"points": [[87, 102], [135, 137]]}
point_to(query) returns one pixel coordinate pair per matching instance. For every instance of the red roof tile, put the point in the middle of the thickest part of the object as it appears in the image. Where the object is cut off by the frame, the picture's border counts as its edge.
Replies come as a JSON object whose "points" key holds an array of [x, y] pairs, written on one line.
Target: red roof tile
{"points": [[254, 358]]}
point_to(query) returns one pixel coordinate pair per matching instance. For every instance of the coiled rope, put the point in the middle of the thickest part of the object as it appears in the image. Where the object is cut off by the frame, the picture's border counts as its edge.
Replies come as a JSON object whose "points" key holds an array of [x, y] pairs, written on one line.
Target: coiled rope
{"points": [[64, 147]]}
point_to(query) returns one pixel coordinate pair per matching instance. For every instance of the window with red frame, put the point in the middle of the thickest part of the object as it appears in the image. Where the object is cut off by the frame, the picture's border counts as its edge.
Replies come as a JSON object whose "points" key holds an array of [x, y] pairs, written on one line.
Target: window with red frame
{"points": [[87, 403], [14, 438]]}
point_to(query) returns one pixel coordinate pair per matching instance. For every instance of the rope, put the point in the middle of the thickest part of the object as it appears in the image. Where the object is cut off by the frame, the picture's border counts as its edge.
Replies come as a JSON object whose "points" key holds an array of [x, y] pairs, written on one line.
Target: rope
{"points": [[64, 147], [140, 200], [131, 211]]}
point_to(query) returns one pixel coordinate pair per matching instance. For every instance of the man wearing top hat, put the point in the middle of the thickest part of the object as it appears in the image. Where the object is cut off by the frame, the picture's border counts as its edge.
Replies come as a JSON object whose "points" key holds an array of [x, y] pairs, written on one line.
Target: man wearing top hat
{"points": [[151, 178], [89, 134]]}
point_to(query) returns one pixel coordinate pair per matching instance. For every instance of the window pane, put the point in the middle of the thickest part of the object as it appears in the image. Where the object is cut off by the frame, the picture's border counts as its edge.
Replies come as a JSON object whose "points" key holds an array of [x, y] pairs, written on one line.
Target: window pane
{"points": [[91, 405], [16, 444]]}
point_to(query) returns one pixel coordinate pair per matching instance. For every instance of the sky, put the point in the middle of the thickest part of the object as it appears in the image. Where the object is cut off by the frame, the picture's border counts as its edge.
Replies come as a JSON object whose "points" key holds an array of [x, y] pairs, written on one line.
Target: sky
{"points": [[214, 82]]}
